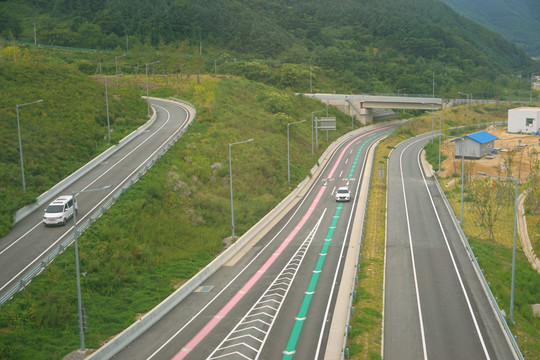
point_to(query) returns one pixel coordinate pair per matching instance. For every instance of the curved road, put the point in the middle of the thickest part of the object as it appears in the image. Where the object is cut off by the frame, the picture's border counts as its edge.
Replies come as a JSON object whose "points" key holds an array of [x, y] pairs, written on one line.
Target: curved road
{"points": [[435, 305], [29, 242], [276, 299]]}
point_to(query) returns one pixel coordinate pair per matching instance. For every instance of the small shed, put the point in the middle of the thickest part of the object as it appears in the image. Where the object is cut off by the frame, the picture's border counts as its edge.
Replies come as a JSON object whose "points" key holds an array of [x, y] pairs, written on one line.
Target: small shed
{"points": [[524, 120], [474, 145]]}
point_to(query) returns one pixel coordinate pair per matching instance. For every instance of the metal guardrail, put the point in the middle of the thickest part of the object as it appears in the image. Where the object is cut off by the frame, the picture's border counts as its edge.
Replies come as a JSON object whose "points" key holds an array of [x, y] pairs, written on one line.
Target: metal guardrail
{"points": [[36, 270], [480, 272], [502, 318], [345, 350]]}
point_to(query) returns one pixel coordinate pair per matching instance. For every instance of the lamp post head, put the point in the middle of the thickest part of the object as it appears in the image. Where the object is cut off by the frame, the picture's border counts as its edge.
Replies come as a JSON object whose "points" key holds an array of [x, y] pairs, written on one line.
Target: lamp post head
{"points": [[30, 103], [240, 142]]}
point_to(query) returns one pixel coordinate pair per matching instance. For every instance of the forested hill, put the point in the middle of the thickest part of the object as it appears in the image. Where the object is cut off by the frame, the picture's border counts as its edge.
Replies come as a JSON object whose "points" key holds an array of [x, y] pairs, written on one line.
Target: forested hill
{"points": [[516, 20], [370, 45], [424, 28]]}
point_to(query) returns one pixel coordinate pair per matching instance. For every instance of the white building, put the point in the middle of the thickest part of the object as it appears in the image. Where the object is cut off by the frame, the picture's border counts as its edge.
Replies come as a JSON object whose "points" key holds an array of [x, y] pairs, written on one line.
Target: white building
{"points": [[524, 120]]}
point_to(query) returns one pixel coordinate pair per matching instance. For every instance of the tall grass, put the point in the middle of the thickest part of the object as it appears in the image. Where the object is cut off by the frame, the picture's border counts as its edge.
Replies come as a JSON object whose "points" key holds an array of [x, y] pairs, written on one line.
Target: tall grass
{"points": [[173, 221], [58, 135], [494, 257]]}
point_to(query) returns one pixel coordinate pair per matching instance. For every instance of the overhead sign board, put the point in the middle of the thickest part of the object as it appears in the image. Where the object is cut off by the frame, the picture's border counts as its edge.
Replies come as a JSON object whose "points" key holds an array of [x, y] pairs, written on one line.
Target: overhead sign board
{"points": [[327, 123]]}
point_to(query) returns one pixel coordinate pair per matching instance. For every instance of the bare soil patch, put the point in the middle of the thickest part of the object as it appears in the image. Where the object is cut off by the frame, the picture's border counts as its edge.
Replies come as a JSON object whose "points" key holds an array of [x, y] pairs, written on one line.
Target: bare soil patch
{"points": [[515, 146]]}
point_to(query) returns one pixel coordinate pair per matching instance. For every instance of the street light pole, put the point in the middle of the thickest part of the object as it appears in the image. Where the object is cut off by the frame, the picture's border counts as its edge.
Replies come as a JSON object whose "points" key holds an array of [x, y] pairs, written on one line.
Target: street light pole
{"points": [[288, 152], [313, 112], [467, 123], [516, 181], [147, 101], [230, 177], [440, 134], [532, 81], [107, 102], [116, 66], [310, 79], [77, 270], [20, 142], [462, 176]]}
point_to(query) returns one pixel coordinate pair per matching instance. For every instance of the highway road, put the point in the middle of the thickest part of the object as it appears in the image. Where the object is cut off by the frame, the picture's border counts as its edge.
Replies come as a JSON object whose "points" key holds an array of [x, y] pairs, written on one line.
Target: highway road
{"points": [[29, 242], [435, 306], [275, 299]]}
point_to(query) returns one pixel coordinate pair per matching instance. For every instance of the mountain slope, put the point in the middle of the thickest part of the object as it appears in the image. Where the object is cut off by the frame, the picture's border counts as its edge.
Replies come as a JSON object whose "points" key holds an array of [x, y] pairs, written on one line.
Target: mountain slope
{"points": [[516, 20], [374, 46]]}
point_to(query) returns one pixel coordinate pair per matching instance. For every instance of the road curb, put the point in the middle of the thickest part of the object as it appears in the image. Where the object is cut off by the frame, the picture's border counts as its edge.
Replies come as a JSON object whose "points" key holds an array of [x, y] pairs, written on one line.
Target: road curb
{"points": [[338, 327], [254, 234]]}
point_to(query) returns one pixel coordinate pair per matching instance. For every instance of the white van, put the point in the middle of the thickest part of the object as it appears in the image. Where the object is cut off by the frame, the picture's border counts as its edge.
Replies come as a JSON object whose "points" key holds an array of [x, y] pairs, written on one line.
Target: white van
{"points": [[60, 211]]}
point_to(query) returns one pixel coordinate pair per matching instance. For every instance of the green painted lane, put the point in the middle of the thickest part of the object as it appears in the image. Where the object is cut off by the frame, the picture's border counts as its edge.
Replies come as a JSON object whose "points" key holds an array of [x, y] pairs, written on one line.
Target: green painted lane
{"points": [[299, 322], [302, 314]]}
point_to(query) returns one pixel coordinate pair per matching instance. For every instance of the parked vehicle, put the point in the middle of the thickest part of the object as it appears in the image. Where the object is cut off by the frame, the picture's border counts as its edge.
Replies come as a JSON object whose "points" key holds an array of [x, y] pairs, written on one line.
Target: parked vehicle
{"points": [[343, 194], [60, 211]]}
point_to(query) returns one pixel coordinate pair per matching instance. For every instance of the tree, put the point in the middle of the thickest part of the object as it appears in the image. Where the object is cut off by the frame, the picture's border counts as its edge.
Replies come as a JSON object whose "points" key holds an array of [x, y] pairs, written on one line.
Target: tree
{"points": [[10, 26], [11, 53], [486, 202], [90, 35], [532, 202], [292, 75]]}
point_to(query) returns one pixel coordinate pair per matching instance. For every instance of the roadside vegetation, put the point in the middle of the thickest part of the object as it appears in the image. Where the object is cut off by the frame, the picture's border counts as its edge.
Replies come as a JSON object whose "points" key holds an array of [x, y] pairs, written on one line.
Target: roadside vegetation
{"points": [[494, 255], [173, 221], [59, 134]]}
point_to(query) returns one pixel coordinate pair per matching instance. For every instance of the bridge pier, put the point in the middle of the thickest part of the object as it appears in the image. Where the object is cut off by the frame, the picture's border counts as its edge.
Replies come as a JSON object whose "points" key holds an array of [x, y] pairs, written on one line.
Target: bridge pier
{"points": [[365, 116]]}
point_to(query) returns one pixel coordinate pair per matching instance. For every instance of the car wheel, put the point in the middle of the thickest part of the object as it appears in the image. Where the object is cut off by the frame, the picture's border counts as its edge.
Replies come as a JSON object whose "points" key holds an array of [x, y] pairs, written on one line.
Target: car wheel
{"points": [[64, 221]]}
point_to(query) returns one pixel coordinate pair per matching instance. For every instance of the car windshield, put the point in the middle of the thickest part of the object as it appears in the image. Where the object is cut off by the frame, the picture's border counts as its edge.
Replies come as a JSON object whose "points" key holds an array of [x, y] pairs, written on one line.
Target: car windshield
{"points": [[55, 209], [343, 191]]}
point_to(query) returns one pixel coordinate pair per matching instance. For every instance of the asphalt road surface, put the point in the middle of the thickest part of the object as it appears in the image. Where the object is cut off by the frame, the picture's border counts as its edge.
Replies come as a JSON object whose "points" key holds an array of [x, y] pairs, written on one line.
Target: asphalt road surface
{"points": [[276, 299], [29, 242], [435, 305]]}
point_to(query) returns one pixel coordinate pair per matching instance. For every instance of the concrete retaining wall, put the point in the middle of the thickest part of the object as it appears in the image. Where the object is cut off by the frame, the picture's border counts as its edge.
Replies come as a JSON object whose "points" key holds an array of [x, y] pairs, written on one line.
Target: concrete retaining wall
{"points": [[257, 231]]}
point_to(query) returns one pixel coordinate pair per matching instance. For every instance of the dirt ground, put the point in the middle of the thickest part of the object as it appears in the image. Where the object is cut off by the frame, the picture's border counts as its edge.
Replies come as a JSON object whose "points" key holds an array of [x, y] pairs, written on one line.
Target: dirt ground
{"points": [[506, 145]]}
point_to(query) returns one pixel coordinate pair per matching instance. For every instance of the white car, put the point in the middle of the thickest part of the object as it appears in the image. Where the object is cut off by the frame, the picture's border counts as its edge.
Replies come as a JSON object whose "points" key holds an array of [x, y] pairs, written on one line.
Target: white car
{"points": [[60, 211], [343, 194]]}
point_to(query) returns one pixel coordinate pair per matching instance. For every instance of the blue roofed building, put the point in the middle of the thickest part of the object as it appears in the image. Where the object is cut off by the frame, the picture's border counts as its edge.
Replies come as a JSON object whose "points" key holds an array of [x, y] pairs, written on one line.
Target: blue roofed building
{"points": [[474, 145]]}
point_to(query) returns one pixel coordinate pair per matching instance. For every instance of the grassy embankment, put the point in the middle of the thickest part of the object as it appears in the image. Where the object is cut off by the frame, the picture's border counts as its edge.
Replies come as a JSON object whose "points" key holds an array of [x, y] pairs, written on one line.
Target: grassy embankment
{"points": [[173, 221], [60, 134], [494, 256]]}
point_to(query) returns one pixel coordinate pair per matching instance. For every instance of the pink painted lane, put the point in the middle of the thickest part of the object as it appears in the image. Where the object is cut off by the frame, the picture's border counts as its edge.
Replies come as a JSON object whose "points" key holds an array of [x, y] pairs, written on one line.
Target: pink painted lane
{"points": [[248, 285], [336, 164]]}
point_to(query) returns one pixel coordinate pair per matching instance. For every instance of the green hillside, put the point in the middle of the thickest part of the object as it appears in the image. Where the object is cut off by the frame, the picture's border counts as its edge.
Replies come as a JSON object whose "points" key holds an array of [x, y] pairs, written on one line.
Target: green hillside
{"points": [[240, 63], [516, 20], [131, 260], [364, 46], [60, 134]]}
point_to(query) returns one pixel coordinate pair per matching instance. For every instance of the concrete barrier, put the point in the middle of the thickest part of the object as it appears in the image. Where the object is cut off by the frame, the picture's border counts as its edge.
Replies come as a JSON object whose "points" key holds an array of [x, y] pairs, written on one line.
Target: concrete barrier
{"points": [[252, 235], [52, 192]]}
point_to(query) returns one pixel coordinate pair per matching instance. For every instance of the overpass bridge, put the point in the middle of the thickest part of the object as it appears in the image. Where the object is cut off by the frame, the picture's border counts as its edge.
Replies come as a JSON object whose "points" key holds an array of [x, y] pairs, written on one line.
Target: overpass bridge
{"points": [[362, 105]]}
